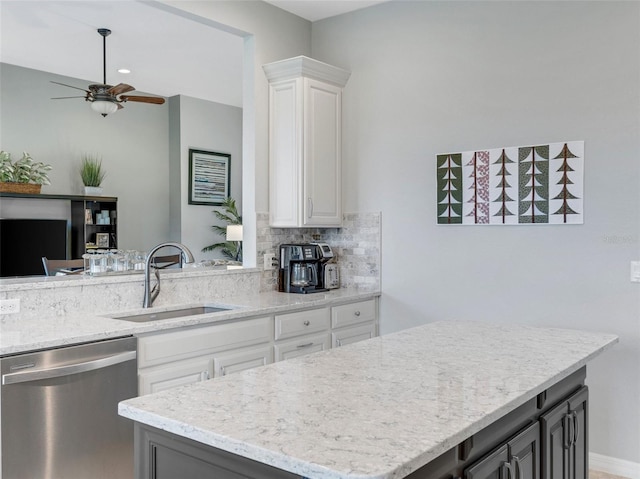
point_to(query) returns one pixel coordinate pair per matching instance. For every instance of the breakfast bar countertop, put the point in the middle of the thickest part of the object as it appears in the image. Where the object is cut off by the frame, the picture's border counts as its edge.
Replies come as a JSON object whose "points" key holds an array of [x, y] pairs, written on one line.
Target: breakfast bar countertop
{"points": [[380, 408], [50, 330]]}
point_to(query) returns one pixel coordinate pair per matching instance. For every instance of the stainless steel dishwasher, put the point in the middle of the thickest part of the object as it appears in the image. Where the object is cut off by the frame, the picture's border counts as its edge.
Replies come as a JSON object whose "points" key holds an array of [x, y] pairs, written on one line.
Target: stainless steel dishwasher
{"points": [[59, 412]]}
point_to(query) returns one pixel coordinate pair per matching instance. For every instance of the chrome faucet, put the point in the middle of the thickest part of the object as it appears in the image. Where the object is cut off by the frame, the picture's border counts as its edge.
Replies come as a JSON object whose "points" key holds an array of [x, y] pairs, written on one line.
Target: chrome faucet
{"points": [[151, 294]]}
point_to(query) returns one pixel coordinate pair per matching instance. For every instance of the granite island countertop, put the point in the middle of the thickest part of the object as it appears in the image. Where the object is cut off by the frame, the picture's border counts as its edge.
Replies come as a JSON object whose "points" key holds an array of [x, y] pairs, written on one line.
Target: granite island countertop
{"points": [[381, 408], [19, 335]]}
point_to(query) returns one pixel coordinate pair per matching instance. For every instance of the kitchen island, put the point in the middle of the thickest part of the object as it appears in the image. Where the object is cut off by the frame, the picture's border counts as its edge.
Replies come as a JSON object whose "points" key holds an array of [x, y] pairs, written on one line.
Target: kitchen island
{"points": [[432, 401]]}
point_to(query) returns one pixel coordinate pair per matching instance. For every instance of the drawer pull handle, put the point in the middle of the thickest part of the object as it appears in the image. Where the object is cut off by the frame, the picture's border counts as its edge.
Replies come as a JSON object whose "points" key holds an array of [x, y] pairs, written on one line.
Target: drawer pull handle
{"points": [[223, 370], [357, 313], [305, 345], [306, 323]]}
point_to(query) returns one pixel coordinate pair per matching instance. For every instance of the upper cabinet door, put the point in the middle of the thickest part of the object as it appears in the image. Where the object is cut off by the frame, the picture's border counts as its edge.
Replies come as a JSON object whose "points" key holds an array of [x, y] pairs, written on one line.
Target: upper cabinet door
{"points": [[285, 152], [305, 143], [322, 154]]}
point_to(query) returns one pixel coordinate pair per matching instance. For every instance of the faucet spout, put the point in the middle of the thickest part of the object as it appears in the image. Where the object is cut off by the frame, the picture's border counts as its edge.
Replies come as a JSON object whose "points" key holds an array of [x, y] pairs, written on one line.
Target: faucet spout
{"points": [[151, 294]]}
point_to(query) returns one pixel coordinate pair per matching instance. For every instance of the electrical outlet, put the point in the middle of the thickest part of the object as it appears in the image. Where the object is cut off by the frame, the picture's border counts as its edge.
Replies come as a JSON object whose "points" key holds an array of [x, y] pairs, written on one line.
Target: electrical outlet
{"points": [[9, 306], [269, 261]]}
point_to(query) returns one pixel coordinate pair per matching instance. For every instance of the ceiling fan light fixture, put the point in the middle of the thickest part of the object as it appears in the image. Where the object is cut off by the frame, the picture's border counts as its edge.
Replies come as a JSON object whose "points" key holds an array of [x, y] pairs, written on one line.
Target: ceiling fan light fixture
{"points": [[104, 107], [106, 99]]}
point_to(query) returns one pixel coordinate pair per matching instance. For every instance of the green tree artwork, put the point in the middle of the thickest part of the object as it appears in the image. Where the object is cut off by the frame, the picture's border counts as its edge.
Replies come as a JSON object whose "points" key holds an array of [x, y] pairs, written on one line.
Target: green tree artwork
{"points": [[517, 185], [449, 189], [533, 171]]}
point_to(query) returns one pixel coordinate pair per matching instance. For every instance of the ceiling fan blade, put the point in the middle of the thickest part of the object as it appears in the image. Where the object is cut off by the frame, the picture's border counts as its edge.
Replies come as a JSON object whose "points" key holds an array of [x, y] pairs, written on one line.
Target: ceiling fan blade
{"points": [[64, 84], [120, 88], [65, 97], [143, 99]]}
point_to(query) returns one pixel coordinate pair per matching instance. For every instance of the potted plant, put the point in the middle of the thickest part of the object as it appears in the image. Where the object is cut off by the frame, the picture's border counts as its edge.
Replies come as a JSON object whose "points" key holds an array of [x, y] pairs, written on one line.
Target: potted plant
{"points": [[23, 175], [229, 249], [92, 175]]}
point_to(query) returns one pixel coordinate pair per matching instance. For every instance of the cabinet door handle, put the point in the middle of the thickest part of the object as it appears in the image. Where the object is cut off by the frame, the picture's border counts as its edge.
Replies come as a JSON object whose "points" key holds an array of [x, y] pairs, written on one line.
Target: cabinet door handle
{"points": [[567, 434], [576, 427], [338, 342], [223, 370], [505, 471], [309, 207], [516, 461], [304, 345], [204, 375], [306, 323]]}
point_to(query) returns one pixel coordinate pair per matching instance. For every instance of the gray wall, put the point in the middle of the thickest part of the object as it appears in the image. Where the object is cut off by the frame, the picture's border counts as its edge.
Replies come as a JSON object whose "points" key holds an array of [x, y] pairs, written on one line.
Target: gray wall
{"points": [[209, 126], [437, 77], [133, 144]]}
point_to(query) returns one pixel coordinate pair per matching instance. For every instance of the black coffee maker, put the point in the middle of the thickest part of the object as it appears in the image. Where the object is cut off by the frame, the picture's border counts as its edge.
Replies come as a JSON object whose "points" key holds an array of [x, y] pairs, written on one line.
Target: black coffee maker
{"points": [[302, 267]]}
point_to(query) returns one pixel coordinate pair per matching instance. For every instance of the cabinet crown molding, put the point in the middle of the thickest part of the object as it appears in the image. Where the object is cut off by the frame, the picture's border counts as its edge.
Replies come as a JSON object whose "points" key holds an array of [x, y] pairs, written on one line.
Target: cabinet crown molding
{"points": [[302, 66]]}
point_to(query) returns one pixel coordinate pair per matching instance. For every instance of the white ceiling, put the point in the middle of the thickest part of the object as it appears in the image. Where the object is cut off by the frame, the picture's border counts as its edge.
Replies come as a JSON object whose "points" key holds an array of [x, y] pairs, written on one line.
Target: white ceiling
{"points": [[314, 10], [167, 54]]}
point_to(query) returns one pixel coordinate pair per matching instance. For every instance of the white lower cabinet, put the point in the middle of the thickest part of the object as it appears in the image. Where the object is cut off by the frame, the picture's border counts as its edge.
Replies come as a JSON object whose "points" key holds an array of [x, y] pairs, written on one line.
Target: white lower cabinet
{"points": [[354, 322], [302, 332], [176, 358], [302, 345], [345, 336], [233, 361], [175, 374], [184, 356]]}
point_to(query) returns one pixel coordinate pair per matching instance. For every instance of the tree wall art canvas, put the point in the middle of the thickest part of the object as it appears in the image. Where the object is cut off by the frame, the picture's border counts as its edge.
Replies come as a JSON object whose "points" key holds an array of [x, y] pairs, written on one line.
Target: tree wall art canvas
{"points": [[520, 185]]}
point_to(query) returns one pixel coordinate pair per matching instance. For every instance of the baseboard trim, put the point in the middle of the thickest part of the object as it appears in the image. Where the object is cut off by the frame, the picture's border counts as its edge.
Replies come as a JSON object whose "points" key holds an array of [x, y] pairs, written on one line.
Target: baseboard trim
{"points": [[612, 465]]}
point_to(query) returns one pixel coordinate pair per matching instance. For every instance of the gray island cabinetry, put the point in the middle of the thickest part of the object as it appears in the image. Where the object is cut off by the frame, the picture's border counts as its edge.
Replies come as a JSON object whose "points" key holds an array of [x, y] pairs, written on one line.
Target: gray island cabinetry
{"points": [[439, 401]]}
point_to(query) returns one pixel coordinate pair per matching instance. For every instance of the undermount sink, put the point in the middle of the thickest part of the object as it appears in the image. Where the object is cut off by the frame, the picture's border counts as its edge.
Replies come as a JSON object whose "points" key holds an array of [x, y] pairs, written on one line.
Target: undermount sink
{"points": [[176, 313]]}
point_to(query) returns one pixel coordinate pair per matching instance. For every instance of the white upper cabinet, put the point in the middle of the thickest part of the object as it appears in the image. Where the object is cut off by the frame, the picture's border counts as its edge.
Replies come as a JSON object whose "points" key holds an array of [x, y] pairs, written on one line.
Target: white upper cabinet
{"points": [[305, 142]]}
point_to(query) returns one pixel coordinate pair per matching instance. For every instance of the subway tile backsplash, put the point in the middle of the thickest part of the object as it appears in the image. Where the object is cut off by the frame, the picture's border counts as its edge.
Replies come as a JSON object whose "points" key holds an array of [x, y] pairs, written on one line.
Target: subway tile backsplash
{"points": [[356, 246]]}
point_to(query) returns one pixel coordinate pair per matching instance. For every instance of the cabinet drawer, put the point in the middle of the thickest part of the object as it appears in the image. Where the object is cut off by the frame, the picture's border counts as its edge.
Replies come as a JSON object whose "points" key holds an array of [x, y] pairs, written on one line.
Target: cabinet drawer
{"points": [[303, 322], [302, 346], [166, 347], [353, 313]]}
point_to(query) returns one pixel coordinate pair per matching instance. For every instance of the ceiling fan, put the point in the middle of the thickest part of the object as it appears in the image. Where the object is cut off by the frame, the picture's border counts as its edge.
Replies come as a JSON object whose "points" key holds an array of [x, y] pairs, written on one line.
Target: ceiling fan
{"points": [[105, 98]]}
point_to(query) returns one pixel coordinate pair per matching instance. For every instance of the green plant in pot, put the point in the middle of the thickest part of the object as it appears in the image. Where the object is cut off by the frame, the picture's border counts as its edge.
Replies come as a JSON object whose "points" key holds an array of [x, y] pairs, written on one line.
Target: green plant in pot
{"points": [[230, 216], [92, 174], [22, 176]]}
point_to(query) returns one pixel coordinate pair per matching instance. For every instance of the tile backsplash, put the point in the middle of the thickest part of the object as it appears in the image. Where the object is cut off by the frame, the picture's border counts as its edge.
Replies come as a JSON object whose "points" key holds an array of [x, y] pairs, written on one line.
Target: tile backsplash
{"points": [[356, 246]]}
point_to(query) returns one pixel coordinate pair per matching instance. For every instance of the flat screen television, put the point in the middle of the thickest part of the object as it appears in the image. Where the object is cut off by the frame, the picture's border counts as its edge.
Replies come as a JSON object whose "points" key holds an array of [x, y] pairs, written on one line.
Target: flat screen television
{"points": [[23, 243]]}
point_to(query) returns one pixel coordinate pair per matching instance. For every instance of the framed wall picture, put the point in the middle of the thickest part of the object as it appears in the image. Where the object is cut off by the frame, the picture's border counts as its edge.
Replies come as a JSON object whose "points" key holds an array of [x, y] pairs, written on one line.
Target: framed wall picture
{"points": [[102, 240], [209, 177]]}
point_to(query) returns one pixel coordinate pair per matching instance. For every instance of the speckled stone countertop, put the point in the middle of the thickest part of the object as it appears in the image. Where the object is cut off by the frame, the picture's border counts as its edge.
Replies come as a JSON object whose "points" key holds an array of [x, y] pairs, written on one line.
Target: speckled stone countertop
{"points": [[47, 331], [380, 408]]}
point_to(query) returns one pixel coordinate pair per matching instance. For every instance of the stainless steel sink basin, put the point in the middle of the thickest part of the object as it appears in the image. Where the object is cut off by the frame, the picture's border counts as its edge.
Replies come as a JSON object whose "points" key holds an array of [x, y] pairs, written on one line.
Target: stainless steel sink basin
{"points": [[176, 313]]}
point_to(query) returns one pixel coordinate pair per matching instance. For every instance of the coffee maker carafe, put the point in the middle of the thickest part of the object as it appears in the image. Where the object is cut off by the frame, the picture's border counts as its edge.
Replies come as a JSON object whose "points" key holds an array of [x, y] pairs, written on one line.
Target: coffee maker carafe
{"points": [[303, 274], [302, 267]]}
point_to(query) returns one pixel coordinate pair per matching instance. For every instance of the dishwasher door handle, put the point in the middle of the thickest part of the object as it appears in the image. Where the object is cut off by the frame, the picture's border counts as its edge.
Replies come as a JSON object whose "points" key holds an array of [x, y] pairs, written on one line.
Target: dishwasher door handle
{"points": [[58, 371]]}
